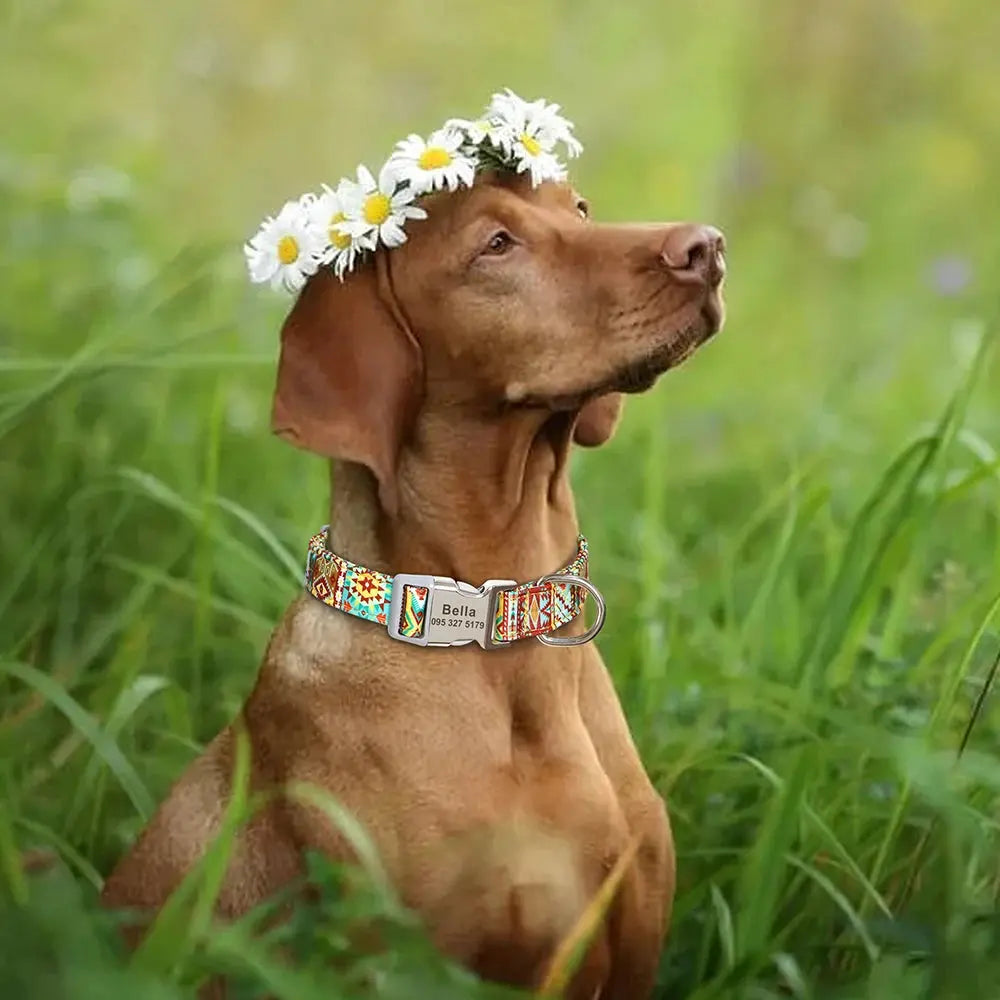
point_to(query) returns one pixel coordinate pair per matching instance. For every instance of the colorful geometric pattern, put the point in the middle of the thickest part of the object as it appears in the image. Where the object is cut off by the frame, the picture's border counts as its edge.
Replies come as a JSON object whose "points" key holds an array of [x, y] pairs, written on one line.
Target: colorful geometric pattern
{"points": [[539, 607], [526, 609], [412, 611]]}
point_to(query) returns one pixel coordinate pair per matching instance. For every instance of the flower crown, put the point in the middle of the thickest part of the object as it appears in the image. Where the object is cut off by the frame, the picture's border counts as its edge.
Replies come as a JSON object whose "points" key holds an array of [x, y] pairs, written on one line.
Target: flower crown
{"points": [[337, 227]]}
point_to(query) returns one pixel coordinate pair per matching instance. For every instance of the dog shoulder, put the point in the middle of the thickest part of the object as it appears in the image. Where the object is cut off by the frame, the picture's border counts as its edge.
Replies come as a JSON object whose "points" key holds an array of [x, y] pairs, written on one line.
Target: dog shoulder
{"points": [[311, 642], [324, 660]]}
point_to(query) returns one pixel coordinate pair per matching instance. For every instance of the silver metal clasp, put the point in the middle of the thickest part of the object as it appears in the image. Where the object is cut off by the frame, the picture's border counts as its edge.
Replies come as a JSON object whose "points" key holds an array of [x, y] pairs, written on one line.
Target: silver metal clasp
{"points": [[455, 614]]}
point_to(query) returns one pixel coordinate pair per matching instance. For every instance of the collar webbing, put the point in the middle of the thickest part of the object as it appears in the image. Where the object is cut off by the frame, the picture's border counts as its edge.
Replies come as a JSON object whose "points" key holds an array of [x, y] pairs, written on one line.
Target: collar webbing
{"points": [[439, 611]]}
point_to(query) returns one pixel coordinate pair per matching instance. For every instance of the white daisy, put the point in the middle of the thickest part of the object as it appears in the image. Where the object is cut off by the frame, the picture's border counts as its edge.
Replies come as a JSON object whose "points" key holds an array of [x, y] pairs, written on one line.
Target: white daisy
{"points": [[435, 163], [554, 127], [329, 214], [379, 210], [530, 157], [286, 250], [484, 131], [536, 120]]}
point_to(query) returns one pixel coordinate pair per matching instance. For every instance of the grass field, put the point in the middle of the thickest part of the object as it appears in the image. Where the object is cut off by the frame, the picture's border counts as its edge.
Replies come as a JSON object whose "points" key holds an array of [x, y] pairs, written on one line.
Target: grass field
{"points": [[798, 533]]}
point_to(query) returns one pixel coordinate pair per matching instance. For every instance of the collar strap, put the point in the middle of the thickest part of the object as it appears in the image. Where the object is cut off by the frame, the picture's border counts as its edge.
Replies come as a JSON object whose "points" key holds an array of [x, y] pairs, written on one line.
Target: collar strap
{"points": [[439, 611]]}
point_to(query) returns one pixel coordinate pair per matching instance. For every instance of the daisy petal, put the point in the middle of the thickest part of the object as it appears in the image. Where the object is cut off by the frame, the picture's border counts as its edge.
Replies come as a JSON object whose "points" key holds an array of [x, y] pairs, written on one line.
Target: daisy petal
{"points": [[391, 233]]}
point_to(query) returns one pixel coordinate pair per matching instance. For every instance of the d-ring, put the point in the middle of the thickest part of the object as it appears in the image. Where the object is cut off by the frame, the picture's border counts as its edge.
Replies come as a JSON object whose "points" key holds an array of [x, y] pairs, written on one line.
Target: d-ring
{"points": [[576, 581]]}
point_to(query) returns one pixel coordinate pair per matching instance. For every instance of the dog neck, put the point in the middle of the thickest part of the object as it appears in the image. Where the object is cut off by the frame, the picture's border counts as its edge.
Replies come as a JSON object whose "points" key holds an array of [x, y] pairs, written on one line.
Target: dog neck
{"points": [[476, 501]]}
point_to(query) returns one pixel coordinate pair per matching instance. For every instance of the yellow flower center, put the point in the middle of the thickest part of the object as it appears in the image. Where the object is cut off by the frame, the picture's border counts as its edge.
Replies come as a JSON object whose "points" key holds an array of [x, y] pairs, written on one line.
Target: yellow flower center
{"points": [[376, 209], [288, 250], [338, 239], [433, 158], [532, 145]]}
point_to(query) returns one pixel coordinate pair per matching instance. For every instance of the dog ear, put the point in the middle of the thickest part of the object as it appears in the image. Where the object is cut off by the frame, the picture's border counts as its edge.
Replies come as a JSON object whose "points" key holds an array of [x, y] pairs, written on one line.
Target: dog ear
{"points": [[598, 419], [349, 373]]}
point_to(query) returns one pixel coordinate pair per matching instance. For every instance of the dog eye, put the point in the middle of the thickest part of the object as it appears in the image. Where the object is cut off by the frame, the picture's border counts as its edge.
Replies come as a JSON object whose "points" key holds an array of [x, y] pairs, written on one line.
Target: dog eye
{"points": [[583, 207], [500, 242]]}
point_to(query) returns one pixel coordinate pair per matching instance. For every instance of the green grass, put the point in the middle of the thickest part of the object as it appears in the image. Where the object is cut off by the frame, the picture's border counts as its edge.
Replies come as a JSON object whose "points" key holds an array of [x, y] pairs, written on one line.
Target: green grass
{"points": [[798, 534]]}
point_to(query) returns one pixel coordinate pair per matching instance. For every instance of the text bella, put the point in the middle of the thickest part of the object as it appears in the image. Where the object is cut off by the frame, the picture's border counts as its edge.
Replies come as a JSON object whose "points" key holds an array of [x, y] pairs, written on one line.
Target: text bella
{"points": [[459, 610]]}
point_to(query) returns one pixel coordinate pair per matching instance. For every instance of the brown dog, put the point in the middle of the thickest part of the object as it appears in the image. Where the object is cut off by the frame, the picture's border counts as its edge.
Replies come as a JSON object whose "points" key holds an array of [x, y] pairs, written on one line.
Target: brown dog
{"points": [[447, 380]]}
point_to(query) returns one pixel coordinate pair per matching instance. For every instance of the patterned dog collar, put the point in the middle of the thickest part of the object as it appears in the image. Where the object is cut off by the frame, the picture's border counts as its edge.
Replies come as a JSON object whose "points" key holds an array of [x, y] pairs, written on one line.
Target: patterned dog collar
{"points": [[439, 611]]}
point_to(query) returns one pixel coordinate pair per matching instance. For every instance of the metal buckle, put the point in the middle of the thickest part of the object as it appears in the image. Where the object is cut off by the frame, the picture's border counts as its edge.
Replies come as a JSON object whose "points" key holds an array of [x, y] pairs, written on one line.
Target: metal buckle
{"points": [[456, 613], [576, 581]]}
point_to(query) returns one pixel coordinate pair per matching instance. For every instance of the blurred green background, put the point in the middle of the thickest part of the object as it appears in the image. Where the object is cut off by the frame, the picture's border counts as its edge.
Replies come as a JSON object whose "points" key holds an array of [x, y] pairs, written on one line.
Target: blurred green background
{"points": [[797, 532]]}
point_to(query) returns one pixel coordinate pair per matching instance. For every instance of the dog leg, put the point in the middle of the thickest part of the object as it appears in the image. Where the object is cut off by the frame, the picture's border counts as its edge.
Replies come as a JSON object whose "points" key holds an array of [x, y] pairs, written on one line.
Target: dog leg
{"points": [[263, 857], [640, 915]]}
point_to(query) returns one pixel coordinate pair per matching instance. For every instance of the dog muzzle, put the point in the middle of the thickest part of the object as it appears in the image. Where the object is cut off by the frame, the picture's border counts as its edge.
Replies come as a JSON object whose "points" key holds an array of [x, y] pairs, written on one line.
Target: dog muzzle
{"points": [[440, 611]]}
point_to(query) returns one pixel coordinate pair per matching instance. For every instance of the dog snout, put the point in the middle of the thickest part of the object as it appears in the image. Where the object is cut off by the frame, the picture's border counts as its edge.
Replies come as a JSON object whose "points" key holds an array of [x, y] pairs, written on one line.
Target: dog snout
{"points": [[695, 254]]}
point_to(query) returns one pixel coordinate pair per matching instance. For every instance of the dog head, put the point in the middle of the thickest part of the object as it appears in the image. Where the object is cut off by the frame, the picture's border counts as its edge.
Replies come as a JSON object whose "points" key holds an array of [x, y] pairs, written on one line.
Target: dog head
{"points": [[506, 297]]}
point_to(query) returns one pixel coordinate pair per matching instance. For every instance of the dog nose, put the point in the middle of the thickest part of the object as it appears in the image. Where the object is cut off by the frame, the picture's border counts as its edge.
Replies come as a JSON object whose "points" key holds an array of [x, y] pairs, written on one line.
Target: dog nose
{"points": [[695, 253]]}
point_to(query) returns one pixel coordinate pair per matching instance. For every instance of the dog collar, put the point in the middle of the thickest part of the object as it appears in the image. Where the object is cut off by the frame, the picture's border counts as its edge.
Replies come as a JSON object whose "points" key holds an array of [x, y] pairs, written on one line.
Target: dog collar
{"points": [[440, 611]]}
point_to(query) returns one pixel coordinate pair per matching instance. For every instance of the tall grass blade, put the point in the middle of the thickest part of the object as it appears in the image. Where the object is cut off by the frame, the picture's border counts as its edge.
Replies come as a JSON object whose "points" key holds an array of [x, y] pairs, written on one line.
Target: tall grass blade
{"points": [[87, 727]]}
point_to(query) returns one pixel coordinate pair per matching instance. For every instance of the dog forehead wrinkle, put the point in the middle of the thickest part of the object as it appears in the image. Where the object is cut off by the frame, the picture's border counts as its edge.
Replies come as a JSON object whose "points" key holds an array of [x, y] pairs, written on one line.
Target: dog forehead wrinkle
{"points": [[519, 202], [499, 207]]}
